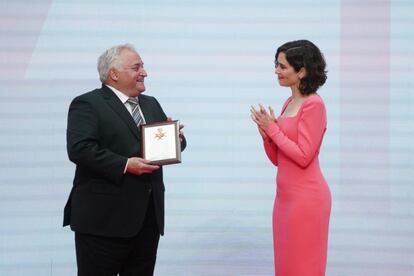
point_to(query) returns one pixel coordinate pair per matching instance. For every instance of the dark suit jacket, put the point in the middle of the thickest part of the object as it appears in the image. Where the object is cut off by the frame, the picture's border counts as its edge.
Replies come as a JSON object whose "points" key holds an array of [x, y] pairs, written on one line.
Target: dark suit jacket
{"points": [[101, 136]]}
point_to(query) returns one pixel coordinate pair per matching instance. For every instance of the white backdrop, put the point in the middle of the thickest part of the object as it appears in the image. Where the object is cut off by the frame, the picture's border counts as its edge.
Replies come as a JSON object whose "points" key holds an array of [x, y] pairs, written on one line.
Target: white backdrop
{"points": [[207, 62]]}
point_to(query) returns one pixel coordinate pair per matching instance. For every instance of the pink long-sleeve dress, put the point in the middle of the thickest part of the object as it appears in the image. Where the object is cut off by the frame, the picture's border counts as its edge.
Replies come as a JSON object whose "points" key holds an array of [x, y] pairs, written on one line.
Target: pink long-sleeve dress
{"points": [[303, 200]]}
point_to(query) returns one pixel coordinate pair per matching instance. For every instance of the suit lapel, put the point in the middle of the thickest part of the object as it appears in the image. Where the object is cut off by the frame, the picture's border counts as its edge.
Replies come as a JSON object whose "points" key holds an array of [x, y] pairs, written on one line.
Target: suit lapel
{"points": [[146, 110], [119, 108]]}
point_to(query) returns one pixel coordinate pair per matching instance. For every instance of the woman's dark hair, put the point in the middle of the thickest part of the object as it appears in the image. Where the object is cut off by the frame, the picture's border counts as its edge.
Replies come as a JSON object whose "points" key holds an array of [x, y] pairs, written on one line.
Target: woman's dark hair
{"points": [[303, 53]]}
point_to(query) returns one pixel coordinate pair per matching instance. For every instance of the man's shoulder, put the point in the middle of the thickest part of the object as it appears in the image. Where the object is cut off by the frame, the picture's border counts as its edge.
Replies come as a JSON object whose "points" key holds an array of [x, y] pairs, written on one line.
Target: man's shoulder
{"points": [[90, 98], [91, 94]]}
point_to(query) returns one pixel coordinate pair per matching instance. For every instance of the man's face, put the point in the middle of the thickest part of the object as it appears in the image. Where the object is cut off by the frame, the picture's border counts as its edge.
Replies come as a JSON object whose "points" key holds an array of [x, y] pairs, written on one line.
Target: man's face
{"points": [[130, 73]]}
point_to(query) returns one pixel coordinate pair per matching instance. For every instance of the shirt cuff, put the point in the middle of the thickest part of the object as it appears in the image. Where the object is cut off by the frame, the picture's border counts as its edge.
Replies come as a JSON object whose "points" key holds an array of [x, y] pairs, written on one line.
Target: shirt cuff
{"points": [[126, 166]]}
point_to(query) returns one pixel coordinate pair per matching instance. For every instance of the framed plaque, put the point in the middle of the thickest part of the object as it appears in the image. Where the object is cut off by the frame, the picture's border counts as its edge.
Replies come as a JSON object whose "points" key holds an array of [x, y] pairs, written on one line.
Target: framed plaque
{"points": [[160, 143]]}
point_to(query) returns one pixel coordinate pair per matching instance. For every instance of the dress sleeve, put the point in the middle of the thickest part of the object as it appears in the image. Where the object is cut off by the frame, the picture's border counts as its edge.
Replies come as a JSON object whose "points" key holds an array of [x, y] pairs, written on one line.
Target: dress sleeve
{"points": [[270, 147], [271, 151], [311, 128]]}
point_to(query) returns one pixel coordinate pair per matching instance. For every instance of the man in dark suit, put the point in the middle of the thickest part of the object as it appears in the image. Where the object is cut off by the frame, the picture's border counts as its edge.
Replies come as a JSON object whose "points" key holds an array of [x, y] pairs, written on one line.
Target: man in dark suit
{"points": [[116, 206]]}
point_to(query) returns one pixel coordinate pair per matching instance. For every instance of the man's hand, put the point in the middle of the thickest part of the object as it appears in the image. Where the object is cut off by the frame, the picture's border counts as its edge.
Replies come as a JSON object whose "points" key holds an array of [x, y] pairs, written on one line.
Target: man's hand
{"points": [[140, 166], [181, 126]]}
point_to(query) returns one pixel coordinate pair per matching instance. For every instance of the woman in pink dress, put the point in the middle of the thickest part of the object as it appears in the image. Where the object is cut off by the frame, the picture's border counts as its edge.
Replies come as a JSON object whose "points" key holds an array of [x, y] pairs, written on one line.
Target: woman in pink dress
{"points": [[292, 142]]}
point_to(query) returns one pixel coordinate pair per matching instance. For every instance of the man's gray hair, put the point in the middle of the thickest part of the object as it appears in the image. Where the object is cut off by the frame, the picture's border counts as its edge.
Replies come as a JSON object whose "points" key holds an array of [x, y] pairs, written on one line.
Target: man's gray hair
{"points": [[109, 59]]}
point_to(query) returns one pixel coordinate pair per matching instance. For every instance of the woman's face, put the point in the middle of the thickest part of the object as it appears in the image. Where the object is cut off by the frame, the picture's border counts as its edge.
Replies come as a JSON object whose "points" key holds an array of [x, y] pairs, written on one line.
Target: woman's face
{"points": [[286, 74]]}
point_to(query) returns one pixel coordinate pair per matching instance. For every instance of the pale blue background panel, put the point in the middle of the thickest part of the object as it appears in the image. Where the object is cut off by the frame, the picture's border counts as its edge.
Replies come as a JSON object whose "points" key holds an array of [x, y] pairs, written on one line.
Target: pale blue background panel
{"points": [[207, 62]]}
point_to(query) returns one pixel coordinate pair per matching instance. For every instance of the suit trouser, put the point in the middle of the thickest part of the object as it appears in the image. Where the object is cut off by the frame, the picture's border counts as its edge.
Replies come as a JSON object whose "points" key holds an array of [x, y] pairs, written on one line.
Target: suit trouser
{"points": [[135, 256]]}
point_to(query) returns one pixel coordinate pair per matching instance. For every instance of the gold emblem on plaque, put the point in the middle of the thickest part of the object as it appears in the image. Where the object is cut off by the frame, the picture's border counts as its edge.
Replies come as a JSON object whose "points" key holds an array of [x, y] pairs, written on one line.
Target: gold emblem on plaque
{"points": [[160, 134]]}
